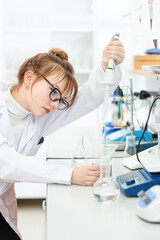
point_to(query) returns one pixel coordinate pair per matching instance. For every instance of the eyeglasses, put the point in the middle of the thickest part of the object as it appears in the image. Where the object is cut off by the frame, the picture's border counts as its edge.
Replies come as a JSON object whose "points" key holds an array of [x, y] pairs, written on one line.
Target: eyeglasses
{"points": [[55, 95]]}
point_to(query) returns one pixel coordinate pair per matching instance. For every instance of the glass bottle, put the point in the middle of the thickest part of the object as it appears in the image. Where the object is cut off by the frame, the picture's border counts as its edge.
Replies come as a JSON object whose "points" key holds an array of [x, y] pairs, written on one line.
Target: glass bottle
{"points": [[105, 189], [130, 148]]}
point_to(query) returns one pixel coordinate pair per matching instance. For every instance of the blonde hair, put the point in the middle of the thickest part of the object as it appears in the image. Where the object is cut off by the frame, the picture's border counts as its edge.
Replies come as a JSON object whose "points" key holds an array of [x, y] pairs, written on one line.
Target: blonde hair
{"points": [[55, 62]]}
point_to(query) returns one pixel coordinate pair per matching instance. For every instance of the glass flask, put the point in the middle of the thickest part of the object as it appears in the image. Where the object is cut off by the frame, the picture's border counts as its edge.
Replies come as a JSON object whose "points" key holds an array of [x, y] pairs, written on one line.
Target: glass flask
{"points": [[105, 188], [130, 148], [91, 151], [78, 154]]}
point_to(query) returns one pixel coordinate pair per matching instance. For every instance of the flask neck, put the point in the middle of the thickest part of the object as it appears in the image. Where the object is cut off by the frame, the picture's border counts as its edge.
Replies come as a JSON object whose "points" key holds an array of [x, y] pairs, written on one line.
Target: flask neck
{"points": [[105, 168]]}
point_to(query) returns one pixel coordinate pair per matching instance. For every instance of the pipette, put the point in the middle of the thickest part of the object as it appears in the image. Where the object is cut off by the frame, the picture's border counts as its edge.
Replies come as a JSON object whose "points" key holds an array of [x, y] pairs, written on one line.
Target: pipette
{"points": [[109, 78]]}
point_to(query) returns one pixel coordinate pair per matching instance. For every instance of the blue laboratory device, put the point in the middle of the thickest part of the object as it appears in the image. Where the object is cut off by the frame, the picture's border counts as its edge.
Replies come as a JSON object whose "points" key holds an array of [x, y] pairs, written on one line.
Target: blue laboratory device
{"points": [[133, 182], [118, 135]]}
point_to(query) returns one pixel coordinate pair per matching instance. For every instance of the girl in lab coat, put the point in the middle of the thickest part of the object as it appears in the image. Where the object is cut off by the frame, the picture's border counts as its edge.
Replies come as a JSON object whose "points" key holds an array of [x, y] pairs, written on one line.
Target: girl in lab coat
{"points": [[45, 99]]}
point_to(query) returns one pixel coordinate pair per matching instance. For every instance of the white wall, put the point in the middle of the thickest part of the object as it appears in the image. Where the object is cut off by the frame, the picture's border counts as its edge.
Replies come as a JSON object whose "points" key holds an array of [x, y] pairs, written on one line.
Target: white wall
{"points": [[17, 16]]}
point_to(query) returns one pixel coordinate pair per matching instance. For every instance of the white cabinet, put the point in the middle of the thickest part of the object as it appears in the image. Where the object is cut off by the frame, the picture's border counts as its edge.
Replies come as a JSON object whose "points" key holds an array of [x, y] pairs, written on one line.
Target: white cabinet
{"points": [[33, 190]]}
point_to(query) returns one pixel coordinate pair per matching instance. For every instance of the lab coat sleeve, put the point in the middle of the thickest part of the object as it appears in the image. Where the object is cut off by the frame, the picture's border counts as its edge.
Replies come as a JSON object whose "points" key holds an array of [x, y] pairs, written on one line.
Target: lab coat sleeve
{"points": [[89, 97], [15, 167]]}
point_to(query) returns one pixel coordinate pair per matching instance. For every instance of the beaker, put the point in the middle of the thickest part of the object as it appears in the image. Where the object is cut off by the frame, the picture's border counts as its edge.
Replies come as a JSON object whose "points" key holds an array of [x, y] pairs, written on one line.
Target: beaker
{"points": [[105, 188], [130, 148]]}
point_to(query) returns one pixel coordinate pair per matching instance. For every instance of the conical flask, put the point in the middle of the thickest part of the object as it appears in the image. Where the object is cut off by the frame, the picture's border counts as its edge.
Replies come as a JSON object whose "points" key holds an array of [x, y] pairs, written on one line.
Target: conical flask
{"points": [[105, 188]]}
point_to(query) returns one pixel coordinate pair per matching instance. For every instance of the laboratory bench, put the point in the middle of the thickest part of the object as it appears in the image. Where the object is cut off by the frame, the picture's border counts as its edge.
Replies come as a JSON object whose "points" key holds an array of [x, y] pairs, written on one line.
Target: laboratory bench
{"points": [[73, 213]]}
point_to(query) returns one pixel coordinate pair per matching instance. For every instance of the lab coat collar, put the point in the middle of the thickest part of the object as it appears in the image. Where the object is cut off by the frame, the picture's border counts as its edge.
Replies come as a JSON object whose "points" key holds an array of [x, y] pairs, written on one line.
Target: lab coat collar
{"points": [[30, 129]]}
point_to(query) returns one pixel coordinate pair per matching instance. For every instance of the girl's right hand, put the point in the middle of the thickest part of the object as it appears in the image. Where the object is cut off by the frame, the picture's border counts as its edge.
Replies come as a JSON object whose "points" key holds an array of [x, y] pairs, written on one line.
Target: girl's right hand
{"points": [[113, 50], [85, 175]]}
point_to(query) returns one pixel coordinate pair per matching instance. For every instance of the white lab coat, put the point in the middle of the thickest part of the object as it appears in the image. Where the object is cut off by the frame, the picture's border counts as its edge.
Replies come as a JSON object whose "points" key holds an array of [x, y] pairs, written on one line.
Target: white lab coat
{"points": [[18, 163]]}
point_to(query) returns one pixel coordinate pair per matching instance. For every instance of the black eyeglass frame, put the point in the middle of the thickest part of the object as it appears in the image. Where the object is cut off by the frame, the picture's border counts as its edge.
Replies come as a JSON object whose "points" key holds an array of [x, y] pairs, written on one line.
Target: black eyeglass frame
{"points": [[56, 99]]}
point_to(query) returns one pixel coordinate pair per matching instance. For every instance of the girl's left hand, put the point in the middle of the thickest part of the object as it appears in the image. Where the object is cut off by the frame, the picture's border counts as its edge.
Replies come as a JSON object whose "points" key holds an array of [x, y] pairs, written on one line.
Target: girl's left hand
{"points": [[113, 50]]}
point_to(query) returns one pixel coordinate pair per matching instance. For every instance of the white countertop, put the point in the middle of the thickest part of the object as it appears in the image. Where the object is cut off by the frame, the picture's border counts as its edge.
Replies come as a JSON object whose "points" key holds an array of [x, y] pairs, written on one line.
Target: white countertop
{"points": [[73, 213]]}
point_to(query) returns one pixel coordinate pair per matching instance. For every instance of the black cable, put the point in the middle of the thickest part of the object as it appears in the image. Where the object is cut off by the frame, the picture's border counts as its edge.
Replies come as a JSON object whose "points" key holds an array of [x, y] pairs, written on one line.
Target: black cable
{"points": [[145, 128], [141, 128]]}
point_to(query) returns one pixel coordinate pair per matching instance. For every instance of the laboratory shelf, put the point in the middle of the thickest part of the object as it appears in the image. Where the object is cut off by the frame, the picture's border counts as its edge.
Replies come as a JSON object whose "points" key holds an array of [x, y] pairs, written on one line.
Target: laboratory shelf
{"points": [[144, 73]]}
